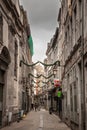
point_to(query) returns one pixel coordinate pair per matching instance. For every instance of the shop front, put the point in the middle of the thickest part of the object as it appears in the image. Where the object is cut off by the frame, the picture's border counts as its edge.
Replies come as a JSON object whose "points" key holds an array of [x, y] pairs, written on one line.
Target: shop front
{"points": [[55, 97]]}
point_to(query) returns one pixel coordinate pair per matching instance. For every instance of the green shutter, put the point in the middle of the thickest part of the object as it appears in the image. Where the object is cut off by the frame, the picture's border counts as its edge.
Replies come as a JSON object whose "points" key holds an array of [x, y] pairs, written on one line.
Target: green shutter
{"points": [[30, 42]]}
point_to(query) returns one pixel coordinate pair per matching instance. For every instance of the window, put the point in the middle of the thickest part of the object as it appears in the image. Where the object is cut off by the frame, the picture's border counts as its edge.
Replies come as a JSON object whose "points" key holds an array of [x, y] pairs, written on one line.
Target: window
{"points": [[1, 76], [71, 1], [23, 66], [1, 27], [80, 9], [15, 59], [80, 17], [75, 97], [71, 97], [75, 23], [71, 33]]}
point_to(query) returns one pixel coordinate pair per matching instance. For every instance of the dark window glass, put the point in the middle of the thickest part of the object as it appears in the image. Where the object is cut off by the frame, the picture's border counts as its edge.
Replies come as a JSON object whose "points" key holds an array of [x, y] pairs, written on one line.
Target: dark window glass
{"points": [[1, 28], [15, 59]]}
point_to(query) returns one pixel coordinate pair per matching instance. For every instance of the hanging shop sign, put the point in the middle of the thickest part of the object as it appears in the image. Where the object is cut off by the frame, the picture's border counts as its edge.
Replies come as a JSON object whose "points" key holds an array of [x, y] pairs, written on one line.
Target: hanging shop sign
{"points": [[59, 94], [57, 83]]}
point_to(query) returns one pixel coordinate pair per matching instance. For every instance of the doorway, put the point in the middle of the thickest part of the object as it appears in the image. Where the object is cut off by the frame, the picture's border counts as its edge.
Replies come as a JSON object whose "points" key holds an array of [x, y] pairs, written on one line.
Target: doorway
{"points": [[1, 103], [1, 94]]}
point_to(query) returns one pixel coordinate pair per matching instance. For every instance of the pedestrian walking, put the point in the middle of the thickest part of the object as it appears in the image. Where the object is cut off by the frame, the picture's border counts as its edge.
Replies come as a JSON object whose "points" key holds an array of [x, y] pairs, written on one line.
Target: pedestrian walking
{"points": [[32, 106], [35, 106]]}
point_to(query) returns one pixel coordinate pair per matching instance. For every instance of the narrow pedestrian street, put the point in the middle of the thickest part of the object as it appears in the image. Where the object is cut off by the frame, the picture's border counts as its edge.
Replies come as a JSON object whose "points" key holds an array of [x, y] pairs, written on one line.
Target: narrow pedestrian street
{"points": [[43, 65], [39, 120]]}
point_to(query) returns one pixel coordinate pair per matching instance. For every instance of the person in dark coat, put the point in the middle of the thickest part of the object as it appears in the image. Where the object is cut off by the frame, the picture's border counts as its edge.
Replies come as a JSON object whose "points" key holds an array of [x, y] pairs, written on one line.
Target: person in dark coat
{"points": [[35, 106]]}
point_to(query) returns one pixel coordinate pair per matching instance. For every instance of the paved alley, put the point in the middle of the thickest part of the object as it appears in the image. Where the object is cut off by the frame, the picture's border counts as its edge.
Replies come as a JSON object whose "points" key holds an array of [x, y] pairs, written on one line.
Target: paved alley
{"points": [[40, 120]]}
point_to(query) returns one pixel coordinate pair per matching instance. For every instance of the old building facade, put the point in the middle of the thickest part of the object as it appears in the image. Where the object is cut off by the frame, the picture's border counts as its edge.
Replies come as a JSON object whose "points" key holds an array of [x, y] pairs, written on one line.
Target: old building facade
{"points": [[14, 33], [72, 52], [52, 57], [73, 22]]}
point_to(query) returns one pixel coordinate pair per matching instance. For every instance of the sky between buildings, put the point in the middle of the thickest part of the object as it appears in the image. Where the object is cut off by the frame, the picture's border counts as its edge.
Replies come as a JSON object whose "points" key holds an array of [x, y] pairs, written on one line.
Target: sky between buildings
{"points": [[42, 16]]}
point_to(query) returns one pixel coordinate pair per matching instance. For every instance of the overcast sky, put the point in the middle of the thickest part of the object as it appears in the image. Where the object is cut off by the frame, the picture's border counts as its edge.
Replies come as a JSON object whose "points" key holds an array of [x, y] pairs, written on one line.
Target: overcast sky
{"points": [[42, 16]]}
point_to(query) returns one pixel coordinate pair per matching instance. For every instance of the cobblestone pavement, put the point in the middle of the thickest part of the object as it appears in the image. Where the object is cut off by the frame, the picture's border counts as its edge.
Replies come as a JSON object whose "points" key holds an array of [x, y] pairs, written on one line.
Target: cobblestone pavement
{"points": [[40, 120]]}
